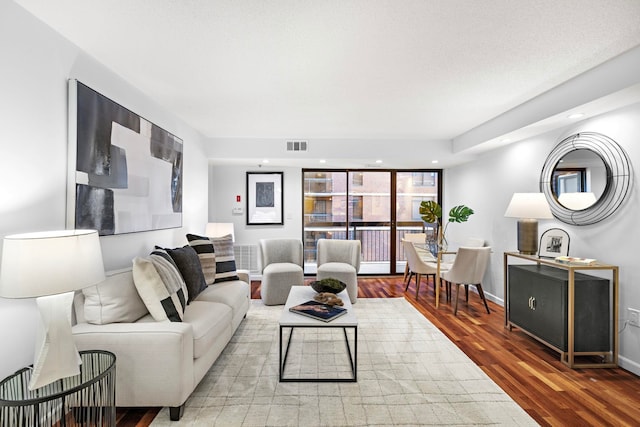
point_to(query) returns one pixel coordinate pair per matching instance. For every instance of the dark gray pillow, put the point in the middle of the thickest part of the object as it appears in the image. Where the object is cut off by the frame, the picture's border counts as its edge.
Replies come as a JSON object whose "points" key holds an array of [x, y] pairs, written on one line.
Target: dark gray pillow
{"points": [[189, 266]]}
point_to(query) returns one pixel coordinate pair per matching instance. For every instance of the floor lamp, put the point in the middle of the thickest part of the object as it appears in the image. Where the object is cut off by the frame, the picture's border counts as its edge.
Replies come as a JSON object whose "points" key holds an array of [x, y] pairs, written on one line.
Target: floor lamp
{"points": [[50, 266], [528, 208], [219, 229]]}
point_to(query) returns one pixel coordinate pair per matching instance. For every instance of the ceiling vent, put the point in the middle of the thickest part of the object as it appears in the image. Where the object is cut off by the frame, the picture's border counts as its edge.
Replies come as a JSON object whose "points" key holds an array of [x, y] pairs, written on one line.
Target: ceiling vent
{"points": [[297, 145]]}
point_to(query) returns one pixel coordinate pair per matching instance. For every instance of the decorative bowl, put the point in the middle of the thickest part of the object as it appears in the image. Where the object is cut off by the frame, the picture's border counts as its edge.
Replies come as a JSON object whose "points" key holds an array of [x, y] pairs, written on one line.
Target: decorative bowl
{"points": [[328, 285]]}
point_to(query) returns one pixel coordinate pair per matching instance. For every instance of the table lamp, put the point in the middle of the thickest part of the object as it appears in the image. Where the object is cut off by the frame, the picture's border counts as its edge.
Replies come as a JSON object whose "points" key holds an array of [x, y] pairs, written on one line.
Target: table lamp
{"points": [[219, 229], [50, 266], [528, 208]]}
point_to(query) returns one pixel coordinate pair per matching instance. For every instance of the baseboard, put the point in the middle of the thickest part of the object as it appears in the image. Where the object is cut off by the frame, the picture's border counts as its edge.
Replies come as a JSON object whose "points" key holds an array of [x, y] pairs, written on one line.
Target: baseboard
{"points": [[629, 365]]}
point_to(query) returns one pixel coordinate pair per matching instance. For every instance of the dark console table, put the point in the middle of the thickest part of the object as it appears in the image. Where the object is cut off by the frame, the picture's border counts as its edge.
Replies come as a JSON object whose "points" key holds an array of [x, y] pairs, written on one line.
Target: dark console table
{"points": [[574, 313]]}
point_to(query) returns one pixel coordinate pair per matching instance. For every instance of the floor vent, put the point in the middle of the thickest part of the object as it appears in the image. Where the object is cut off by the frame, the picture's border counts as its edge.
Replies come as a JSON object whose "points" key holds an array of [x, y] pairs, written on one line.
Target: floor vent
{"points": [[247, 258], [297, 145]]}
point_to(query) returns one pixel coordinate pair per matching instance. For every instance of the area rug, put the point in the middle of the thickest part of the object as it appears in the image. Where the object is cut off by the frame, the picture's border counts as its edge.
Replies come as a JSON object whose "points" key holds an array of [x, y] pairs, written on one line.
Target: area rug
{"points": [[409, 374]]}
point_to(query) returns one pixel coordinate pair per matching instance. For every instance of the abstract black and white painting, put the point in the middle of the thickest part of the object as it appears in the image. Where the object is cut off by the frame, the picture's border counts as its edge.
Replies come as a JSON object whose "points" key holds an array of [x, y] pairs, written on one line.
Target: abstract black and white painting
{"points": [[125, 172]]}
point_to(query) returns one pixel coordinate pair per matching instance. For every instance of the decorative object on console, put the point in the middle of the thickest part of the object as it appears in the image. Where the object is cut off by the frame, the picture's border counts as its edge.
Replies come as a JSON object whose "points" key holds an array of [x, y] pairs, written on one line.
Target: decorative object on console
{"points": [[329, 284], [265, 198], [431, 212], [528, 208], [554, 243], [575, 260], [606, 171], [125, 173], [50, 266]]}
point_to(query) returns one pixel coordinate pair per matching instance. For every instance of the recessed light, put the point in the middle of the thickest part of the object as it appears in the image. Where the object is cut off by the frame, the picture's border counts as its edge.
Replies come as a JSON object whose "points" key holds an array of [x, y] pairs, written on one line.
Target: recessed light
{"points": [[434, 161], [378, 161], [575, 115], [265, 161], [323, 161]]}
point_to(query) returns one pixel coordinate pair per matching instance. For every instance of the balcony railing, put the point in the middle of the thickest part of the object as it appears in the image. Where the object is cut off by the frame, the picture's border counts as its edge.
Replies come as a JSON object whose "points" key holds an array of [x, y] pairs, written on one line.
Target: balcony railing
{"points": [[375, 239]]}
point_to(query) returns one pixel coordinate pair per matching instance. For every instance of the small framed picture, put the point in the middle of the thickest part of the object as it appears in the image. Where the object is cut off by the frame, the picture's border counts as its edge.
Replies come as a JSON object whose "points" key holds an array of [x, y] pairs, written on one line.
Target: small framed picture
{"points": [[264, 198], [553, 243]]}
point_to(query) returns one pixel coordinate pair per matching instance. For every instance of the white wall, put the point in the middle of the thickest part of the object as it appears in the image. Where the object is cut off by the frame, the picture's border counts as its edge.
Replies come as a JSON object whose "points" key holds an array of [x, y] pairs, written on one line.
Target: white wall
{"points": [[36, 64], [487, 184], [227, 182]]}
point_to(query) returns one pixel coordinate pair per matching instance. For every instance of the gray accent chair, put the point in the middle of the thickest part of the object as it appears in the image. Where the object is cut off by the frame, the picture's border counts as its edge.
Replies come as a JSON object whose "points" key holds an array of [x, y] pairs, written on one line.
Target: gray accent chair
{"points": [[281, 261], [340, 259]]}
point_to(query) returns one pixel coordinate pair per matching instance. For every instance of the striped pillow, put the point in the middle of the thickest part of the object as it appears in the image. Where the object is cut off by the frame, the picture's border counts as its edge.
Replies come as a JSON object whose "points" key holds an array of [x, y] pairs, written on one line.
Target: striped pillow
{"points": [[204, 248], [225, 258], [216, 257], [160, 286]]}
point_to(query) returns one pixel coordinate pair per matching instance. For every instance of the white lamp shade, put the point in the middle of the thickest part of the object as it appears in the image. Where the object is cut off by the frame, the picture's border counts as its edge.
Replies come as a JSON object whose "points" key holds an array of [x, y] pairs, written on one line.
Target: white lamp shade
{"points": [[529, 205], [49, 263], [219, 229], [577, 201]]}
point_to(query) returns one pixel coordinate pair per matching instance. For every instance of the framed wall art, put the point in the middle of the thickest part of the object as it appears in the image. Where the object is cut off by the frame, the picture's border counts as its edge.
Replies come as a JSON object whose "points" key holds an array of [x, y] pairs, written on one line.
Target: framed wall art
{"points": [[125, 173], [265, 198], [554, 243]]}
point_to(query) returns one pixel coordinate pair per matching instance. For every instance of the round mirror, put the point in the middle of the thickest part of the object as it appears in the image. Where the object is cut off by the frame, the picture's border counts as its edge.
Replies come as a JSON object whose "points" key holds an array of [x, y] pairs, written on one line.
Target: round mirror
{"points": [[579, 179], [585, 178]]}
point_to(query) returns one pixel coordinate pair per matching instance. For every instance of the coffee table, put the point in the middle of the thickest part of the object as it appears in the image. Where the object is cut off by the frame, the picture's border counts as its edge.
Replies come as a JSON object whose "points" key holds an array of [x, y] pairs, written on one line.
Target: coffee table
{"points": [[292, 321]]}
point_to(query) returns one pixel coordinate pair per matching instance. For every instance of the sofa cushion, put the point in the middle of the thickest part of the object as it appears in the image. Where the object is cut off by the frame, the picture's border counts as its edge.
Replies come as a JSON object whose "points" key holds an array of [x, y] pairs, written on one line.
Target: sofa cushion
{"points": [[160, 286], [115, 300], [204, 248], [234, 294], [188, 263], [223, 256], [210, 321]]}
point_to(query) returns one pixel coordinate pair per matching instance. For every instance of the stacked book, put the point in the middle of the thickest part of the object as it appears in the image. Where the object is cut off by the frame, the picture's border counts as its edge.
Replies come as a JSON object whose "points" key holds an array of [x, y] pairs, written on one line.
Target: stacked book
{"points": [[575, 260]]}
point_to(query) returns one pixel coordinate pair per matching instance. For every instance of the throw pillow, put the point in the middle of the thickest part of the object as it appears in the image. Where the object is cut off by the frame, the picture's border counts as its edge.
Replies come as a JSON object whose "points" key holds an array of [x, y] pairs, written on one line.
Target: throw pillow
{"points": [[204, 248], [225, 258], [114, 300], [160, 286], [188, 263]]}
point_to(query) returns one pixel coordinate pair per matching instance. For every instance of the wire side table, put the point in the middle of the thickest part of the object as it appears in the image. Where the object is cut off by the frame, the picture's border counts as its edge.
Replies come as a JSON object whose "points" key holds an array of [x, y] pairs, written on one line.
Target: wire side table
{"points": [[86, 399]]}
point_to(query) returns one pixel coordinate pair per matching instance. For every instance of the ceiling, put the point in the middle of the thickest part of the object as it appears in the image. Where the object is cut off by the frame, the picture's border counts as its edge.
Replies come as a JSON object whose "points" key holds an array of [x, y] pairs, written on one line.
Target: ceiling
{"points": [[412, 70]]}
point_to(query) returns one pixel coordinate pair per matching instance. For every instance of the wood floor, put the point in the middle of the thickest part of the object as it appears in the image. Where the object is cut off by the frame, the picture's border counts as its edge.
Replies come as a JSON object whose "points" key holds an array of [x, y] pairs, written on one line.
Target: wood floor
{"points": [[531, 374]]}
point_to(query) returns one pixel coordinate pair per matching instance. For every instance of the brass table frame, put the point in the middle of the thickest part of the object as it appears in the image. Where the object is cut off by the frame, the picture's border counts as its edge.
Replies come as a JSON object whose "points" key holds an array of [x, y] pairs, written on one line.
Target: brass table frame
{"points": [[569, 357]]}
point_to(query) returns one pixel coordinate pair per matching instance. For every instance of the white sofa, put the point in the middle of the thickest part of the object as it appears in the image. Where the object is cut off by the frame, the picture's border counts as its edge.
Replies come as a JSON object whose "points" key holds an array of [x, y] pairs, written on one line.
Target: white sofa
{"points": [[158, 363]]}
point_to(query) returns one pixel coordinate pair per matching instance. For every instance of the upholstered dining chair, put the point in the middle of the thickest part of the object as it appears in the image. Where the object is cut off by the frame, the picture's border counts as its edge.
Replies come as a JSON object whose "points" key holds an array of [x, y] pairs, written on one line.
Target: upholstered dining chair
{"points": [[468, 268], [419, 238], [447, 260], [281, 261], [418, 266], [340, 259]]}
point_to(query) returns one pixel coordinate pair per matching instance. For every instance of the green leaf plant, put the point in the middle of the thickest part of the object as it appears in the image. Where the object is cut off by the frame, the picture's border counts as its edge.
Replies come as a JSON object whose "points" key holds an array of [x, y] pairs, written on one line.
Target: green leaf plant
{"points": [[431, 212]]}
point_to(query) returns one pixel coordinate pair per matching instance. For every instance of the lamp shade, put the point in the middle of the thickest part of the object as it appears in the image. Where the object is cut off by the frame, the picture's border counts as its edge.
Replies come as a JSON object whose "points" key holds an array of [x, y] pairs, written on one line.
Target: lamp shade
{"points": [[49, 263], [529, 205], [219, 229], [577, 201]]}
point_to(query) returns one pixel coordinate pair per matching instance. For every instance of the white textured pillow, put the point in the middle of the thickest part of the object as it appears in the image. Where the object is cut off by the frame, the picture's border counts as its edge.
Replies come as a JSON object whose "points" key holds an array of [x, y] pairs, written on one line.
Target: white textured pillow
{"points": [[160, 286], [115, 300]]}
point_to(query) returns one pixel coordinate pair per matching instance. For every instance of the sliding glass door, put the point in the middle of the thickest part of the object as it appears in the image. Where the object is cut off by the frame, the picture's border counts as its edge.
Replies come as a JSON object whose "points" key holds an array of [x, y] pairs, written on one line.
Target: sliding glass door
{"points": [[375, 207]]}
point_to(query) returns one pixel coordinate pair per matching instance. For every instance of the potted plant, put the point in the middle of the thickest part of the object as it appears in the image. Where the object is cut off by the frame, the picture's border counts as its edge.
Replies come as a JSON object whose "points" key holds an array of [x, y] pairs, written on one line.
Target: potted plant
{"points": [[431, 212]]}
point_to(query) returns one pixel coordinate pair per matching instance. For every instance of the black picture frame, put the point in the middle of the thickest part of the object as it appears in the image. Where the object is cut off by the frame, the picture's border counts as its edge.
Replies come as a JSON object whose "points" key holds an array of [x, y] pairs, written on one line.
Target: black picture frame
{"points": [[554, 243], [265, 198], [124, 172]]}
